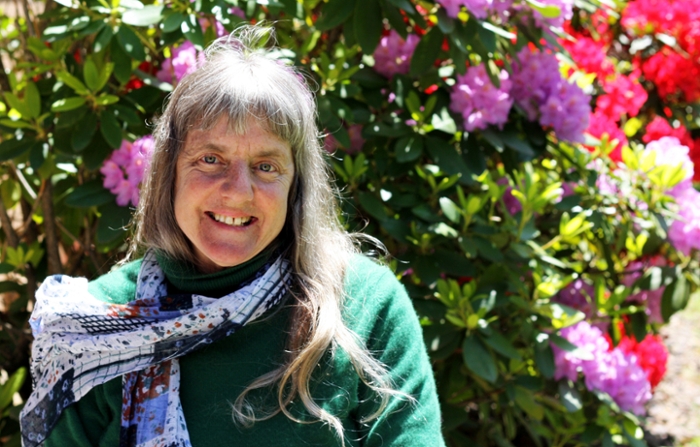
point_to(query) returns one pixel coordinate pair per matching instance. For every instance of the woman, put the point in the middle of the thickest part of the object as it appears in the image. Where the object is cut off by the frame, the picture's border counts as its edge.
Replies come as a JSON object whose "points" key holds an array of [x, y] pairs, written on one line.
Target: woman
{"points": [[251, 319]]}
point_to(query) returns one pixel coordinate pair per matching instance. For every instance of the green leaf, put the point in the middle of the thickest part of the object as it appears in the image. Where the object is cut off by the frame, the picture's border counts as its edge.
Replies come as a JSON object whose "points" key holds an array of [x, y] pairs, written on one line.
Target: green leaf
{"points": [[122, 63], [675, 297], [173, 22], [368, 24], [408, 148], [72, 82], [427, 51], [110, 128], [448, 159], [33, 100], [131, 44], [544, 359], [372, 205], [450, 209], [113, 222], [406, 5], [82, 135], [334, 13], [501, 345], [478, 359], [13, 148], [91, 75], [547, 11], [18, 105], [526, 401], [66, 104], [146, 16], [193, 31], [569, 397], [89, 194], [9, 388], [105, 100], [103, 38]]}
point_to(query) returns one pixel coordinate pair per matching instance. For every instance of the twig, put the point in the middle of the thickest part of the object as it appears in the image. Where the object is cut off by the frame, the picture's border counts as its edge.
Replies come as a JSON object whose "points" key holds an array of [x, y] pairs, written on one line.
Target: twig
{"points": [[51, 238], [4, 80], [6, 224]]}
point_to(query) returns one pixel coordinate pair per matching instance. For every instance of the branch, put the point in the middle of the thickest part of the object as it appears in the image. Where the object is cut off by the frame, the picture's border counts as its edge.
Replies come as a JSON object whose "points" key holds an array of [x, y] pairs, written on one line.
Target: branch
{"points": [[4, 80], [51, 238], [6, 225]]}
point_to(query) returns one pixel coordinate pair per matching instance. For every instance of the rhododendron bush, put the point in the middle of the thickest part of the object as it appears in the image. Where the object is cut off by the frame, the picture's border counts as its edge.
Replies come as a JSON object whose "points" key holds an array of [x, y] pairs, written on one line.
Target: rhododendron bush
{"points": [[530, 166]]}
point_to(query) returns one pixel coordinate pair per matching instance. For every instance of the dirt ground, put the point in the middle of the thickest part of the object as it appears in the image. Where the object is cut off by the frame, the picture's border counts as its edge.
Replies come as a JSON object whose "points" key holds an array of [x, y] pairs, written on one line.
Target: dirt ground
{"points": [[674, 411]]}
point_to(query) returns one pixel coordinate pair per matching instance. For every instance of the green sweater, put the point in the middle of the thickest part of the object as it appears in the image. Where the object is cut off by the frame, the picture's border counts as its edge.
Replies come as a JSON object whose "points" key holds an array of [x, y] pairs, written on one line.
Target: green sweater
{"points": [[377, 309]]}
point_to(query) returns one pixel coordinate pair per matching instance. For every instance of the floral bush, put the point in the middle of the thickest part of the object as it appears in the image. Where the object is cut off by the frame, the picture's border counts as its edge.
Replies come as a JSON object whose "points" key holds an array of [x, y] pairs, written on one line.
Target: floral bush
{"points": [[528, 164]]}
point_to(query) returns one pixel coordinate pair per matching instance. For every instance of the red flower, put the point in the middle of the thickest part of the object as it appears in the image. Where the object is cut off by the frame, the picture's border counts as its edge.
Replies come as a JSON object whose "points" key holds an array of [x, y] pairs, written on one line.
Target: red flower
{"points": [[651, 353], [623, 95], [659, 128], [600, 126], [674, 75]]}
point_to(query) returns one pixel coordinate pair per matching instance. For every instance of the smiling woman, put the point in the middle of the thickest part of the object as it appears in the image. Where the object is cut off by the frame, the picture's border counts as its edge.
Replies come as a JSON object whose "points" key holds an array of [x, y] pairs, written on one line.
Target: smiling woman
{"points": [[247, 315]]}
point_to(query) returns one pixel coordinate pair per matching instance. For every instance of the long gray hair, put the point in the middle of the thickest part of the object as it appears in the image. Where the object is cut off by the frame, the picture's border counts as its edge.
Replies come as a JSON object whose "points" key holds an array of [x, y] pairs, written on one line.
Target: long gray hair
{"points": [[240, 82]]}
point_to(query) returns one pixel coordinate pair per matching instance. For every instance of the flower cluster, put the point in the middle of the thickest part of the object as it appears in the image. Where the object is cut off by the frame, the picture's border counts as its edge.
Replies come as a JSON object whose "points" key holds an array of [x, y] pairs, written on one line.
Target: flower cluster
{"points": [[652, 298], [675, 73], [479, 101], [125, 168], [578, 295], [503, 9], [480, 8], [184, 60], [651, 354], [393, 54], [685, 231], [543, 93], [614, 372]]}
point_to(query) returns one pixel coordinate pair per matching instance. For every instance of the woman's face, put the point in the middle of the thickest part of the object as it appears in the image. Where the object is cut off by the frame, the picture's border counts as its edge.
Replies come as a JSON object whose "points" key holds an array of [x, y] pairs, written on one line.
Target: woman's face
{"points": [[231, 192]]}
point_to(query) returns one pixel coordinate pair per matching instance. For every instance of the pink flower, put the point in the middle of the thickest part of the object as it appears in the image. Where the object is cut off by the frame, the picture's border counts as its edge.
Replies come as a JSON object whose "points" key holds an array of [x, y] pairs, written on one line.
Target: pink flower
{"points": [[393, 55], [621, 377], [589, 55], [684, 233], [540, 90], [652, 298], [185, 59], [479, 8], [356, 140], [125, 169], [624, 95], [601, 126], [591, 346], [479, 101]]}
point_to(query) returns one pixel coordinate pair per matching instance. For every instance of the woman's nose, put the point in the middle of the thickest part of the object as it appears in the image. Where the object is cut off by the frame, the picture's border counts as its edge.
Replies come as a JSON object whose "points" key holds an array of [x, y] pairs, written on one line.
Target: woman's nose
{"points": [[238, 182]]}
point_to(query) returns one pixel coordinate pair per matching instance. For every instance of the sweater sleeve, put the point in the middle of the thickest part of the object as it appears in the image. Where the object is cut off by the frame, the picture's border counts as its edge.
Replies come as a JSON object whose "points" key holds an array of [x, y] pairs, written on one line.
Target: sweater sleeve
{"points": [[92, 421], [388, 322], [95, 419]]}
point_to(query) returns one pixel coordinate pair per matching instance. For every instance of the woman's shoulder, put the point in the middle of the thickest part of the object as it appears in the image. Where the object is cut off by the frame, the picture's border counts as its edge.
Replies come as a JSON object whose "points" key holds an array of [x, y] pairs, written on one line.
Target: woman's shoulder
{"points": [[118, 286], [372, 290]]}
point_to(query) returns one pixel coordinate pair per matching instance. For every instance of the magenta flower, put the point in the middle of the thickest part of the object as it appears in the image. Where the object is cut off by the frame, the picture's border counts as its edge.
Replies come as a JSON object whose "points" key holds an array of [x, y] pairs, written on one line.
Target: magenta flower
{"points": [[578, 295], [185, 59], [393, 55], [684, 233], [652, 298], [479, 101], [478, 8], [590, 343], [611, 372], [621, 377], [541, 91], [125, 169]]}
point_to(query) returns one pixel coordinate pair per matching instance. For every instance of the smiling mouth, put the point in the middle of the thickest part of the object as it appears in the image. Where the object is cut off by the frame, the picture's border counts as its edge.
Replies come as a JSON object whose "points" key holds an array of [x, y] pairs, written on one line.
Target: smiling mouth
{"points": [[232, 221]]}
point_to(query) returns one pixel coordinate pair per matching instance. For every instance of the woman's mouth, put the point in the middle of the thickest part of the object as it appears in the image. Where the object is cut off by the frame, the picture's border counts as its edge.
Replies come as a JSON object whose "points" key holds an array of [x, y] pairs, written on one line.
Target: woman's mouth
{"points": [[232, 221]]}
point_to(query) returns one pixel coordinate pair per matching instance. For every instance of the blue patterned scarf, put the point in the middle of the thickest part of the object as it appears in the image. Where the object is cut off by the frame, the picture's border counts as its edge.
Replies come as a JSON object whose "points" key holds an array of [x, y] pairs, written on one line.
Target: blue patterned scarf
{"points": [[81, 342]]}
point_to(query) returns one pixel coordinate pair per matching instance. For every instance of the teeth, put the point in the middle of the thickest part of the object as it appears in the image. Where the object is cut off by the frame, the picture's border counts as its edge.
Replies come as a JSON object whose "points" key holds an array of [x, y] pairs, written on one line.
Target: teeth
{"points": [[233, 221]]}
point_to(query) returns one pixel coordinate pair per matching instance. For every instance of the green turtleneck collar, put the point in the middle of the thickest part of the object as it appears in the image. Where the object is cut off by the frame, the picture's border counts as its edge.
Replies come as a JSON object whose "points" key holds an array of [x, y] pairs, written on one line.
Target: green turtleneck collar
{"points": [[185, 277]]}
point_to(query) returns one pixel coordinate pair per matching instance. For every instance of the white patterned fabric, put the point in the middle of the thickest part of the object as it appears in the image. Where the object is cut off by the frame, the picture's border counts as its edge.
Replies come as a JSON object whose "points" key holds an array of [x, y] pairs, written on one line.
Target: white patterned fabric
{"points": [[81, 342]]}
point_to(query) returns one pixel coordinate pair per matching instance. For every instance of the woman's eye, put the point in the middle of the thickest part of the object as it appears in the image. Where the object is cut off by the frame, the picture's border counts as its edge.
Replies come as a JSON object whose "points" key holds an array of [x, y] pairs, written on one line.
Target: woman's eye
{"points": [[209, 159], [266, 167]]}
